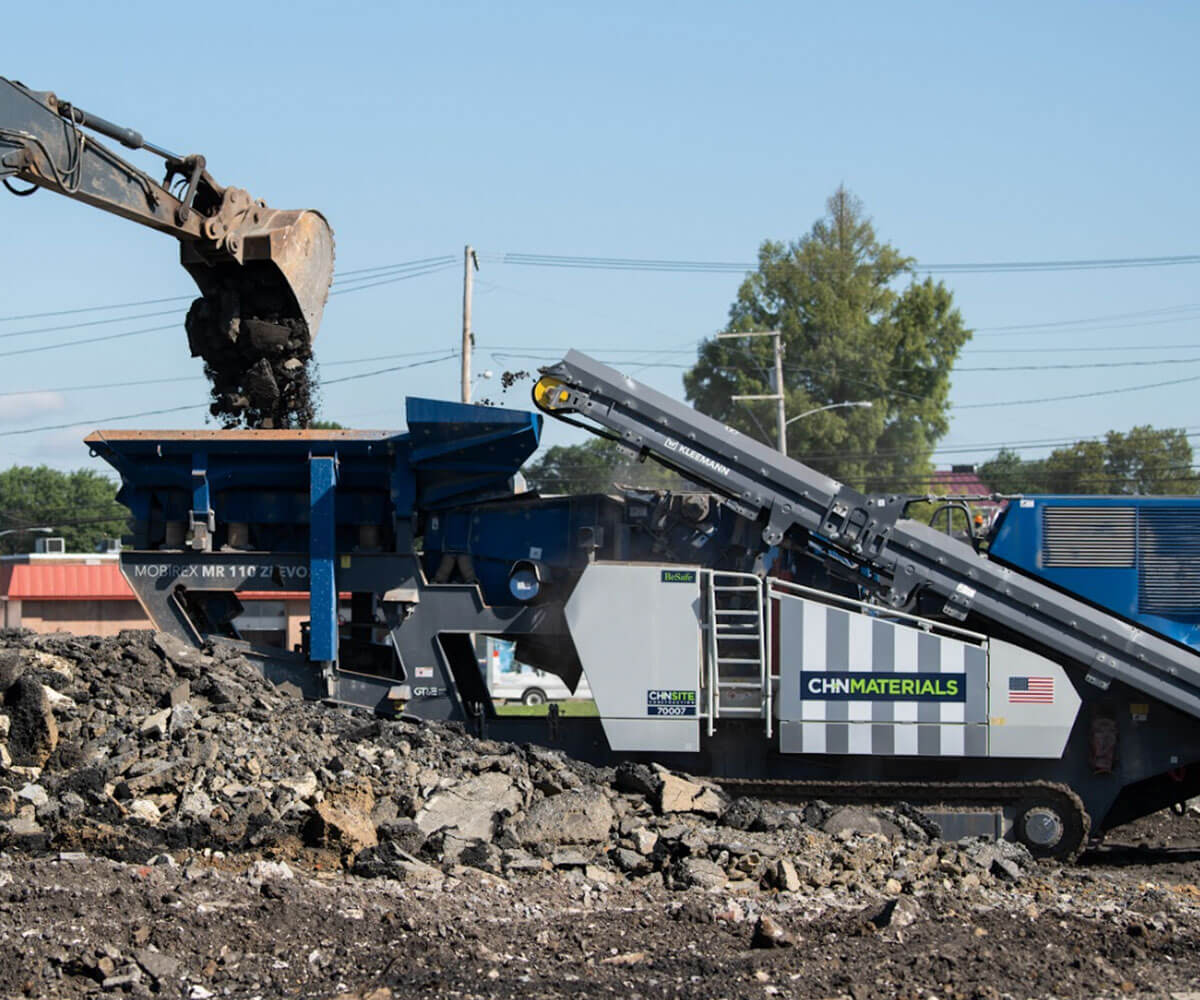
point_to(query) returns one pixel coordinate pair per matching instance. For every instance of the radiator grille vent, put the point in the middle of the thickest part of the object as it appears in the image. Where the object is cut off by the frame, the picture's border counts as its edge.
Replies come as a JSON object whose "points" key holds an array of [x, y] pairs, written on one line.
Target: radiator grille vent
{"points": [[1169, 560], [1088, 536]]}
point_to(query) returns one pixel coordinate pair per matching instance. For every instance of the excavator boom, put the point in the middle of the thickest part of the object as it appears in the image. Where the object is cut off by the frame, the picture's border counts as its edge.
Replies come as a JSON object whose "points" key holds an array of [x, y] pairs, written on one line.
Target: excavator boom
{"points": [[264, 274]]}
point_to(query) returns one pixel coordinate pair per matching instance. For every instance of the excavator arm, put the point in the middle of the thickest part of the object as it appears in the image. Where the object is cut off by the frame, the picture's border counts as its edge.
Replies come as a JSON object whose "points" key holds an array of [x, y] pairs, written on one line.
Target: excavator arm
{"points": [[264, 274]]}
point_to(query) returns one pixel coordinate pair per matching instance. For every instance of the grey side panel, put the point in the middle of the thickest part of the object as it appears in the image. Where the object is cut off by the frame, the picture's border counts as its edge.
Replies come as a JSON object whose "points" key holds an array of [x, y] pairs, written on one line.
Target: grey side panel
{"points": [[638, 637], [1033, 704]]}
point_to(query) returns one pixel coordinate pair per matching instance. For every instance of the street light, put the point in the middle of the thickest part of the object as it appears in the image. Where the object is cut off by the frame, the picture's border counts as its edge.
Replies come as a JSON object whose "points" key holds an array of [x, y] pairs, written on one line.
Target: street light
{"points": [[17, 531], [863, 403]]}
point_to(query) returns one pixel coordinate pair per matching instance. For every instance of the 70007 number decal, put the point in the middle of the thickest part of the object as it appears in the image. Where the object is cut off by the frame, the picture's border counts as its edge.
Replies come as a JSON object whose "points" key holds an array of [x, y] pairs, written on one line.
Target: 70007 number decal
{"points": [[670, 703]]}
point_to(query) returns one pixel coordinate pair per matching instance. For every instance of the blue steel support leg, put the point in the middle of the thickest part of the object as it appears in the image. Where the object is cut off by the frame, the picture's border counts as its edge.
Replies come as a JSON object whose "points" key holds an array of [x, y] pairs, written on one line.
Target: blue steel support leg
{"points": [[202, 524], [322, 543]]}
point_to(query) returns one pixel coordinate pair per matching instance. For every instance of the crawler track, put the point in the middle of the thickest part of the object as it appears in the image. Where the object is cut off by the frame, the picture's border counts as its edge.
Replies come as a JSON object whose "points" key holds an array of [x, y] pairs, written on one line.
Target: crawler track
{"points": [[1020, 796]]}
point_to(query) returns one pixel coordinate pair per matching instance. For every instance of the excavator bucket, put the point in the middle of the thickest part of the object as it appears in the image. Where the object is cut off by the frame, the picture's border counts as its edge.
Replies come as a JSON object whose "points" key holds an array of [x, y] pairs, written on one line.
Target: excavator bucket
{"points": [[264, 274], [264, 295]]}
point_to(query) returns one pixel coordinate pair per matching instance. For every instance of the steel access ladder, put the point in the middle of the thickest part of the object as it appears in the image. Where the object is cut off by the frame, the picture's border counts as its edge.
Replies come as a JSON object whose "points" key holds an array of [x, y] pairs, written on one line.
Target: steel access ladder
{"points": [[738, 676]]}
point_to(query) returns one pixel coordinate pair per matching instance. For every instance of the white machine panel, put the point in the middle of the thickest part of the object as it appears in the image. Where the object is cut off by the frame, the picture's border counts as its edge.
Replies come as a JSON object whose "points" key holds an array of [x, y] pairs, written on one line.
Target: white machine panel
{"points": [[1032, 704], [636, 628]]}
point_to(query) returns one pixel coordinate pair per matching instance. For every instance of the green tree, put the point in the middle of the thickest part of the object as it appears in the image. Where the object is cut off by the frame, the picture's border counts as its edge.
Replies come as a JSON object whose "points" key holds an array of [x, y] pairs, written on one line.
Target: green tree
{"points": [[326, 425], [80, 506], [1009, 473], [593, 467], [849, 335], [1143, 461], [1078, 468], [1147, 461]]}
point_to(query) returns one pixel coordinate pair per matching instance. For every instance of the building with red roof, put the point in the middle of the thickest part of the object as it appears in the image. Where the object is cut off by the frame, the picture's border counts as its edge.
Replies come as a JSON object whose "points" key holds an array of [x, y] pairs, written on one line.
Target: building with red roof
{"points": [[86, 594], [67, 592], [963, 480]]}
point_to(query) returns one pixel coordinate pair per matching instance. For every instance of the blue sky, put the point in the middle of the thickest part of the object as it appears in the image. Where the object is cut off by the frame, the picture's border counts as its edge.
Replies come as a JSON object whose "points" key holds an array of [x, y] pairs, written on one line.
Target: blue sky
{"points": [[668, 130]]}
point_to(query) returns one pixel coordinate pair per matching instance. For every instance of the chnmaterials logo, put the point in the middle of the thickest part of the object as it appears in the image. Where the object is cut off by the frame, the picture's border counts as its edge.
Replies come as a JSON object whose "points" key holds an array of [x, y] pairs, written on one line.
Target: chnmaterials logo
{"points": [[822, 685]]}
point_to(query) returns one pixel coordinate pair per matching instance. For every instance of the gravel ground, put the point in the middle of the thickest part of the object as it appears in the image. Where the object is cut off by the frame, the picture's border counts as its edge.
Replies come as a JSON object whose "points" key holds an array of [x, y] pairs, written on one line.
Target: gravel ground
{"points": [[171, 825]]}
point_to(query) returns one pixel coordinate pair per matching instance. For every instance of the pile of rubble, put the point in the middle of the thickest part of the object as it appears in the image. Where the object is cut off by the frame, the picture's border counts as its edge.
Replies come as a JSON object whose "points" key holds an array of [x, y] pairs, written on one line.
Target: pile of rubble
{"points": [[139, 745], [259, 366], [171, 824]]}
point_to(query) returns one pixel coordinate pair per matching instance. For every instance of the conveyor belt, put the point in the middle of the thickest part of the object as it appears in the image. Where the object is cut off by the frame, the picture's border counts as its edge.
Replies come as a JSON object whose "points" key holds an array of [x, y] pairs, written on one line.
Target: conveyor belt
{"points": [[901, 555]]}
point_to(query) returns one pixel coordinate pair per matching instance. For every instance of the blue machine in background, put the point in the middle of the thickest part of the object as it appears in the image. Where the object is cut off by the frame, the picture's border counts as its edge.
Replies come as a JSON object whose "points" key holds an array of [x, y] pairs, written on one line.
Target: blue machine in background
{"points": [[1138, 557]]}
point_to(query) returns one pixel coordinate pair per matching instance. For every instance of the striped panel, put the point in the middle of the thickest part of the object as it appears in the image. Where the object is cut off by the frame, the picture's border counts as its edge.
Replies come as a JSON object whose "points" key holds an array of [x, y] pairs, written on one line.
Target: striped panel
{"points": [[817, 637], [884, 739]]}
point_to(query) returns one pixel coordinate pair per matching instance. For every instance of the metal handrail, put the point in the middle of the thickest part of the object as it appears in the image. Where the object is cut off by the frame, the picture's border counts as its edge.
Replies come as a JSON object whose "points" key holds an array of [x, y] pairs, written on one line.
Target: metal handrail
{"points": [[713, 702], [782, 588]]}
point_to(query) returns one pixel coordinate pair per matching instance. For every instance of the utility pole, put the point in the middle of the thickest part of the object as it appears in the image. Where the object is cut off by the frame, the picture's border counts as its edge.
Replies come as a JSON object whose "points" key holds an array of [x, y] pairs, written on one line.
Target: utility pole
{"points": [[470, 266], [780, 417], [778, 395]]}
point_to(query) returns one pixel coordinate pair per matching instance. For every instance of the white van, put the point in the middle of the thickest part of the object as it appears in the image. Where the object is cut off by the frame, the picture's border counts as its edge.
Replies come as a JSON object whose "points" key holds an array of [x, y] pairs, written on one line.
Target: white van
{"points": [[509, 679]]}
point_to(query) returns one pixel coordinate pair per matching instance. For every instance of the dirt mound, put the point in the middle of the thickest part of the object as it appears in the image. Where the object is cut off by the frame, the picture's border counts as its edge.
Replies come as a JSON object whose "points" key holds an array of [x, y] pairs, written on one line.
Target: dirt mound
{"points": [[172, 824]]}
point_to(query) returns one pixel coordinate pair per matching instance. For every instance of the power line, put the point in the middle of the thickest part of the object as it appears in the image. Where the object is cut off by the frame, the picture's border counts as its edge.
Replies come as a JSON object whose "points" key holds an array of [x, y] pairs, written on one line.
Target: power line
{"points": [[102, 420], [87, 309], [100, 385], [1042, 332], [419, 262], [997, 446], [385, 371], [702, 266], [363, 276], [435, 269], [385, 357], [28, 516], [1076, 365], [957, 368], [94, 322], [197, 406], [158, 329], [344, 277], [883, 391], [1079, 395], [1091, 264], [1167, 311], [197, 378], [623, 263], [886, 391], [1081, 350], [968, 349], [86, 340]]}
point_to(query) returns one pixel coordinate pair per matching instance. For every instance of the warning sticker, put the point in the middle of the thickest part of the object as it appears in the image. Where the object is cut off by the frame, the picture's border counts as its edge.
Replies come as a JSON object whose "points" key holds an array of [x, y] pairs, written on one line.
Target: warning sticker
{"points": [[678, 576]]}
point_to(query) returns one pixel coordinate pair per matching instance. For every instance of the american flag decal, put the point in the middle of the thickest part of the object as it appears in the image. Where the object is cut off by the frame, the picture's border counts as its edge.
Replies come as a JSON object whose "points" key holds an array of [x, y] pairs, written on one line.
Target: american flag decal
{"points": [[1031, 690]]}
